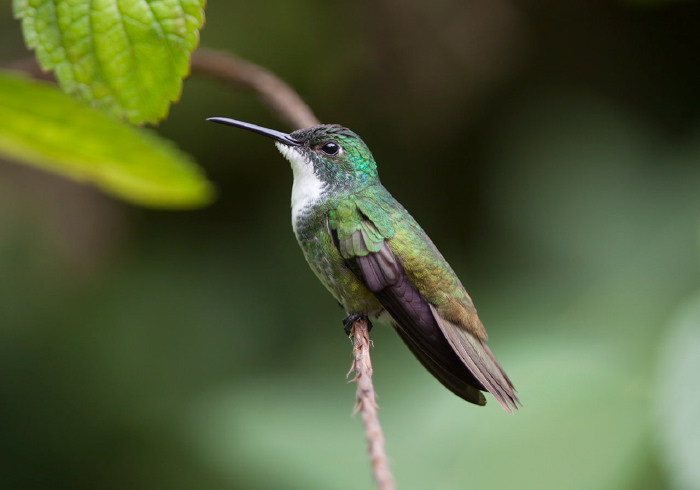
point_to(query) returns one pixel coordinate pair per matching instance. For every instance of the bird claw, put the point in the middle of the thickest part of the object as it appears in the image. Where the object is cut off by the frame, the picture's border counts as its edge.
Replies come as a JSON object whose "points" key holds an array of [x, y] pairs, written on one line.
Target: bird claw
{"points": [[349, 320]]}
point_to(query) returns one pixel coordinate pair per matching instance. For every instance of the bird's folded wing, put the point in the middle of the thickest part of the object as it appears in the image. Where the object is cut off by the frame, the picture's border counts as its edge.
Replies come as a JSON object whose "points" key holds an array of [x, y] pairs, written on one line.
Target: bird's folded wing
{"points": [[460, 361]]}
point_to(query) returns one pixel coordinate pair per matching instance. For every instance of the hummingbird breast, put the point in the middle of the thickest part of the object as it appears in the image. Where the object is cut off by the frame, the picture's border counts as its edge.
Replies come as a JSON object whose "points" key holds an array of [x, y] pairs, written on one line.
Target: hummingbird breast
{"points": [[314, 236], [307, 189]]}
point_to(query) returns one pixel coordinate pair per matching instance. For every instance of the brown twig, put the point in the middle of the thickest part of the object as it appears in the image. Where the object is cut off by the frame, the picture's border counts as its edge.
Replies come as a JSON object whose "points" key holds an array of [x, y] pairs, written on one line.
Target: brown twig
{"points": [[232, 70], [273, 92], [367, 406]]}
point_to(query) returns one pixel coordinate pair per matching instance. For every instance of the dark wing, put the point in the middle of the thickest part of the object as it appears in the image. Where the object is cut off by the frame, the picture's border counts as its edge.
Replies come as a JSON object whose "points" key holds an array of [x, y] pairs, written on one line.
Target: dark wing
{"points": [[415, 322], [465, 365]]}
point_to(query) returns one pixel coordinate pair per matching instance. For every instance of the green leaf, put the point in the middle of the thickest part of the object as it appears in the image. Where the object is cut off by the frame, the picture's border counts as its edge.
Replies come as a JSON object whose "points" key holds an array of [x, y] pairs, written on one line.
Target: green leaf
{"points": [[125, 57], [43, 127]]}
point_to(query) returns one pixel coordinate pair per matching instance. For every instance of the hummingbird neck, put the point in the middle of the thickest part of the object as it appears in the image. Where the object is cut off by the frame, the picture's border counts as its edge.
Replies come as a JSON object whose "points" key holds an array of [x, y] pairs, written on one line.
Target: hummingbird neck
{"points": [[318, 182], [307, 189]]}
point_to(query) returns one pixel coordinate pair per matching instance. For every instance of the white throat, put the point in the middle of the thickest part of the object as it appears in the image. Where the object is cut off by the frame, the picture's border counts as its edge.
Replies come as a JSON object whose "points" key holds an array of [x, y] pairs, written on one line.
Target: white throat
{"points": [[307, 187]]}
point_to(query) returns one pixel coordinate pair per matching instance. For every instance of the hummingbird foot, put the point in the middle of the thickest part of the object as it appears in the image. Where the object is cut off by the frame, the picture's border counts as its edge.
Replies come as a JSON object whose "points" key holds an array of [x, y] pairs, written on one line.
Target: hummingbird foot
{"points": [[350, 319]]}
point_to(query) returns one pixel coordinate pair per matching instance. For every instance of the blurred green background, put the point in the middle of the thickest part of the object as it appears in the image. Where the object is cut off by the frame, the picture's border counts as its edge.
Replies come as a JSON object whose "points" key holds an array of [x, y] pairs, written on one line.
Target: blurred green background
{"points": [[552, 151]]}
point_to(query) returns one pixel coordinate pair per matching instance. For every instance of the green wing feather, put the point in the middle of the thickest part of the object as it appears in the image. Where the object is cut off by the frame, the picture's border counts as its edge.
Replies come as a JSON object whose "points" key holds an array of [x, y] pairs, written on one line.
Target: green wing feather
{"points": [[359, 235]]}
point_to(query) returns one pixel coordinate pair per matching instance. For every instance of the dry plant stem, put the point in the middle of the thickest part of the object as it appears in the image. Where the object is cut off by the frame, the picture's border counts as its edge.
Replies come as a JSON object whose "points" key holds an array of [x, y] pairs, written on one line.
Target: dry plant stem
{"points": [[225, 67], [273, 92], [367, 406]]}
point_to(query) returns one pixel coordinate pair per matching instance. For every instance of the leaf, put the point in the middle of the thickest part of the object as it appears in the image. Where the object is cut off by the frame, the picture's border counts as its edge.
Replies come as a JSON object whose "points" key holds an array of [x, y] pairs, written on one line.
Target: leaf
{"points": [[126, 57], [42, 127], [678, 398]]}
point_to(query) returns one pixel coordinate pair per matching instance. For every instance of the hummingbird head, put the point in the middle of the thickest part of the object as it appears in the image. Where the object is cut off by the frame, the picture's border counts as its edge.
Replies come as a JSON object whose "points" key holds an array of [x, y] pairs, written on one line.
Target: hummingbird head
{"points": [[328, 157]]}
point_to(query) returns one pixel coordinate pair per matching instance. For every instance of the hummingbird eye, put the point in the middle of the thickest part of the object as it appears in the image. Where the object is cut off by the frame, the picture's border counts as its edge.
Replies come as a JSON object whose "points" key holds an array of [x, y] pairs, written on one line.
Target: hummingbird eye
{"points": [[331, 148]]}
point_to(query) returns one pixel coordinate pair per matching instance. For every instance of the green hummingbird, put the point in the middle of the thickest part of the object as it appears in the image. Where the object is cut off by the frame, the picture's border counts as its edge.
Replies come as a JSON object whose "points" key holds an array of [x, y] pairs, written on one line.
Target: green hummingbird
{"points": [[378, 263]]}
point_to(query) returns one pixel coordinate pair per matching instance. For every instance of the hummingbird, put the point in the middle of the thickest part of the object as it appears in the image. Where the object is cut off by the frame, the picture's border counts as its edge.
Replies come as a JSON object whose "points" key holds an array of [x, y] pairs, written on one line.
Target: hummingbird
{"points": [[379, 264]]}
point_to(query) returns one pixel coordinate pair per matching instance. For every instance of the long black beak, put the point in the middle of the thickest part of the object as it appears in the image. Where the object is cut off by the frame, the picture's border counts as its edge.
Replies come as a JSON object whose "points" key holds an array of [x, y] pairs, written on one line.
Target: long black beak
{"points": [[270, 133]]}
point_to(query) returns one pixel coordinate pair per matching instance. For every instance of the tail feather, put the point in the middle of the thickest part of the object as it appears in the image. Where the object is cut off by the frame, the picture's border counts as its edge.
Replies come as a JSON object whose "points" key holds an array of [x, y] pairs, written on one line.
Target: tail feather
{"points": [[459, 386], [480, 361]]}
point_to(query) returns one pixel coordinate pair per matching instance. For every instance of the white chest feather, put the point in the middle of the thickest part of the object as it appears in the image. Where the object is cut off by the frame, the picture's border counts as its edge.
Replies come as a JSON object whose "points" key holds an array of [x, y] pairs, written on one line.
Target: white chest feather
{"points": [[307, 187]]}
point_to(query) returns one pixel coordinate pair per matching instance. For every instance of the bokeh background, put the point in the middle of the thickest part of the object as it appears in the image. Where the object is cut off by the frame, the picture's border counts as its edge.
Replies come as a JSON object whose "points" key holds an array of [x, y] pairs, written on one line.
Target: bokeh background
{"points": [[552, 151]]}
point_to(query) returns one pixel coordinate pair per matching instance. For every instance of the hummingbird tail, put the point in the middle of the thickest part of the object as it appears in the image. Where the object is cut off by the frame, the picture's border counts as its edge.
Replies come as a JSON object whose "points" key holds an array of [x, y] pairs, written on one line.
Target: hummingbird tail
{"points": [[480, 361], [455, 384]]}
